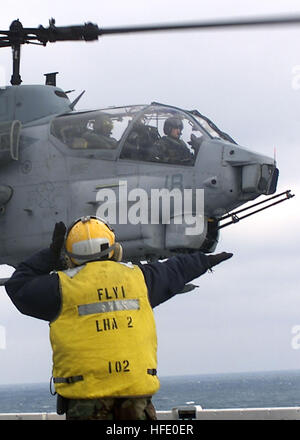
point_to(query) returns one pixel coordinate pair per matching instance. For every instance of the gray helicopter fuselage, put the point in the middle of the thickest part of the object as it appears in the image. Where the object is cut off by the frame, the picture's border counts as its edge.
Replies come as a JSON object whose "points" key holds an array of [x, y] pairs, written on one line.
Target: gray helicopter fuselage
{"points": [[54, 171], [29, 103]]}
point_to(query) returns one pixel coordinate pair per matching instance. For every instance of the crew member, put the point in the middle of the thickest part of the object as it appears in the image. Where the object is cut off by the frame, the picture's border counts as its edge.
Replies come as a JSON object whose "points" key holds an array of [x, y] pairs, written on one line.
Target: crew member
{"points": [[170, 148], [102, 328], [100, 136]]}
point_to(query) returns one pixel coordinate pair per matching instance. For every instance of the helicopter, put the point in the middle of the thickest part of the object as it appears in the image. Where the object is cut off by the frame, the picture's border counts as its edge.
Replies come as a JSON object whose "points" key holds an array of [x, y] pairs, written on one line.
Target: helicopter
{"points": [[59, 164]]}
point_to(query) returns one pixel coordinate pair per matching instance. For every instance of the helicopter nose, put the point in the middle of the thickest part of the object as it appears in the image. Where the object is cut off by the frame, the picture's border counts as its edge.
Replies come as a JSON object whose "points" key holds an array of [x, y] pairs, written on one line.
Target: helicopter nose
{"points": [[259, 178], [259, 174]]}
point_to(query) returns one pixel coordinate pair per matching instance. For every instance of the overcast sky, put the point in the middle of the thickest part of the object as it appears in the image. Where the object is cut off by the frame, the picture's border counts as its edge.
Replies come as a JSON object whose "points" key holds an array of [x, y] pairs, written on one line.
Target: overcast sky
{"points": [[242, 316]]}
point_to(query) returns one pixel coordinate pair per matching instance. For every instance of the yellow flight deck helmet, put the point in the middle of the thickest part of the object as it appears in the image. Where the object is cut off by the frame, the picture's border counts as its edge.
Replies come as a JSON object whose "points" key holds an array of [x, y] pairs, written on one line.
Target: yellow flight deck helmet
{"points": [[89, 238]]}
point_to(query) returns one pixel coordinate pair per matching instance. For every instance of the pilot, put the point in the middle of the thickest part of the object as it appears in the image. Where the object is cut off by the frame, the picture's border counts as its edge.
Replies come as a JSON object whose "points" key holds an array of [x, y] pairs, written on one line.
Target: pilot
{"points": [[170, 148], [102, 328], [100, 136]]}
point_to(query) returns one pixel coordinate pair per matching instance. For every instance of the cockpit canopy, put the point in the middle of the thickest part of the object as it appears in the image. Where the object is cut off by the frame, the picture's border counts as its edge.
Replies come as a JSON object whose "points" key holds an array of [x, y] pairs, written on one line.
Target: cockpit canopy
{"points": [[154, 133]]}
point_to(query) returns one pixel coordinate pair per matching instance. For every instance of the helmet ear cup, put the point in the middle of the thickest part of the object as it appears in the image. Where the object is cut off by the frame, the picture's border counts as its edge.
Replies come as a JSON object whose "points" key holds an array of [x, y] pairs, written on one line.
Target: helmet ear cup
{"points": [[118, 253]]}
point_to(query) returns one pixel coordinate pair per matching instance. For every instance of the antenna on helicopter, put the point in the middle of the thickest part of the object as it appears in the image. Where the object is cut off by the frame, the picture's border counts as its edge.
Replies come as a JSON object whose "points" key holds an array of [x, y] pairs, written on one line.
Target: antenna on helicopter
{"points": [[72, 105]]}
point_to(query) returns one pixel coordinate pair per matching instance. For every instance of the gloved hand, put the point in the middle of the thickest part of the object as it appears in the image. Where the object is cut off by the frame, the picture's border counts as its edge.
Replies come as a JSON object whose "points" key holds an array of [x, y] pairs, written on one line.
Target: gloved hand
{"points": [[213, 260], [58, 238]]}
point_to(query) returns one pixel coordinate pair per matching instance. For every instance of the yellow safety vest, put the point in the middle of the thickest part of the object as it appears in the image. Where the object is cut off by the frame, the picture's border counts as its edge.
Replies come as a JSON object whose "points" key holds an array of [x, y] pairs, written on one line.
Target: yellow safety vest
{"points": [[104, 340]]}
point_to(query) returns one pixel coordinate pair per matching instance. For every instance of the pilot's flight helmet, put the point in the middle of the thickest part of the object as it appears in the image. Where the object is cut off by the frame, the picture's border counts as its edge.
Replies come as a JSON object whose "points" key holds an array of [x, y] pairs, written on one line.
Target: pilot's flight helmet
{"points": [[103, 124], [172, 122], [88, 239]]}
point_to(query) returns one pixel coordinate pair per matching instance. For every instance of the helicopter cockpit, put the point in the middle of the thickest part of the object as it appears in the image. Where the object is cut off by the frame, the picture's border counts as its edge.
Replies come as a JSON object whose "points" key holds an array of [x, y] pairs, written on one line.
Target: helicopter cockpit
{"points": [[88, 130], [155, 133], [163, 134]]}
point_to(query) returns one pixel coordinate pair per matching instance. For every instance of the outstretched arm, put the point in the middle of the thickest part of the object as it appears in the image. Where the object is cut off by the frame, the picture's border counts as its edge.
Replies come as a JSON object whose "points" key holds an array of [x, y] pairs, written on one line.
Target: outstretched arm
{"points": [[166, 279]]}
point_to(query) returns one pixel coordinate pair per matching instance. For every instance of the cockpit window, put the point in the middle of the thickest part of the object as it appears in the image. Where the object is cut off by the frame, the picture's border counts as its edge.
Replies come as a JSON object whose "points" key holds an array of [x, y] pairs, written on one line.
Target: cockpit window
{"points": [[163, 135], [152, 133], [211, 128], [101, 130]]}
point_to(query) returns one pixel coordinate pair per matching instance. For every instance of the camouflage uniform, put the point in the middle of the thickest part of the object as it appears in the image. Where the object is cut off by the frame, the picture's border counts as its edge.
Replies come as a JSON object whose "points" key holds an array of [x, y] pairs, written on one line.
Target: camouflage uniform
{"points": [[99, 141], [111, 409], [172, 150]]}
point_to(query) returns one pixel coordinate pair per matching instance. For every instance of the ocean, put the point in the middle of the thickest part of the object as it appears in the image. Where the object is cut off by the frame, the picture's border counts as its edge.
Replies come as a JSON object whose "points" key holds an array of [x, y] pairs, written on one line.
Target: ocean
{"points": [[210, 391]]}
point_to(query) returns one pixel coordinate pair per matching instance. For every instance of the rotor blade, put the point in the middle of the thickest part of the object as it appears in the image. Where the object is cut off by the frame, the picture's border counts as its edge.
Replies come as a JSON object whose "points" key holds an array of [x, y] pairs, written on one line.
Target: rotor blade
{"points": [[90, 32], [237, 22]]}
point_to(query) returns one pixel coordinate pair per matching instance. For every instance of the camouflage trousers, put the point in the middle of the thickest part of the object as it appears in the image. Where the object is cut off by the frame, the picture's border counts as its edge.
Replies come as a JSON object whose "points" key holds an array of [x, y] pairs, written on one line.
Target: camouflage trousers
{"points": [[111, 409]]}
